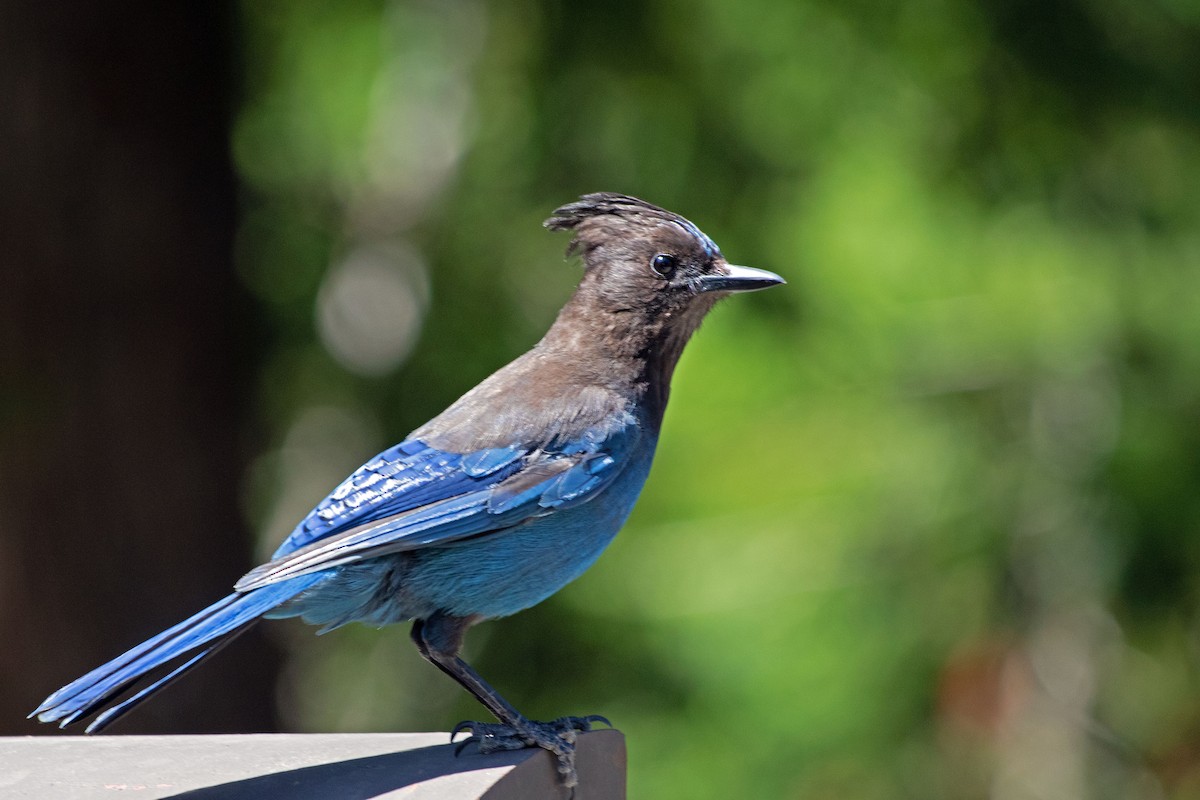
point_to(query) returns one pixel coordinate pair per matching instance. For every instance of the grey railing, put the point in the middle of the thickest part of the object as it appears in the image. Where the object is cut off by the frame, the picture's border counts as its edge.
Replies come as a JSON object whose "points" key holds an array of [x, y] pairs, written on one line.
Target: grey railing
{"points": [[418, 766]]}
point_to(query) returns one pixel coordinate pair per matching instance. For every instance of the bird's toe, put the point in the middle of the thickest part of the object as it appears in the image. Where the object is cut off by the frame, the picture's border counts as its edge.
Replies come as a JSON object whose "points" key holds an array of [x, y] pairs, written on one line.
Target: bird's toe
{"points": [[557, 736]]}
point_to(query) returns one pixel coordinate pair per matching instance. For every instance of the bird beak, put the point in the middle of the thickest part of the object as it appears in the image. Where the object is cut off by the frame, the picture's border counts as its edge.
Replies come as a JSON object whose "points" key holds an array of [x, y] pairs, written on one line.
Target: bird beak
{"points": [[732, 278]]}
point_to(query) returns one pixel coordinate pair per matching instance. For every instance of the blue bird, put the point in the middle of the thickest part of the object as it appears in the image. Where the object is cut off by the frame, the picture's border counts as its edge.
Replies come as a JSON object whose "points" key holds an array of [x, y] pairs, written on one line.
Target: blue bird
{"points": [[495, 504]]}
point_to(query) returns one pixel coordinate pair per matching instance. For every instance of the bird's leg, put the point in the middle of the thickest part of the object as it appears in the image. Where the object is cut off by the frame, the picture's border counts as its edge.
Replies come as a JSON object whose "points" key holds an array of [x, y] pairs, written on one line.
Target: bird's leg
{"points": [[439, 640]]}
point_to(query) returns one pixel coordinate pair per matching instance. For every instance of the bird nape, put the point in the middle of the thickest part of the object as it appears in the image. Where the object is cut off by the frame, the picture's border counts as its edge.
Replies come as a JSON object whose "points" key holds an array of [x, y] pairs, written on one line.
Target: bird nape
{"points": [[495, 504]]}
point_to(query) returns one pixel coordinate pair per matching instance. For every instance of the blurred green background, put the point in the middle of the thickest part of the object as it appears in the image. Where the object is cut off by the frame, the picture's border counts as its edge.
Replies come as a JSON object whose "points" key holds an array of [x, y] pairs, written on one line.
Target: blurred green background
{"points": [[922, 524]]}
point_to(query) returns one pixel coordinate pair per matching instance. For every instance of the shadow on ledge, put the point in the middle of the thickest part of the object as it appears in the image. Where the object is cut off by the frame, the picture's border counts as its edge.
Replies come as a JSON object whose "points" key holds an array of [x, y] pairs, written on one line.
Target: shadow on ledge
{"points": [[513, 775]]}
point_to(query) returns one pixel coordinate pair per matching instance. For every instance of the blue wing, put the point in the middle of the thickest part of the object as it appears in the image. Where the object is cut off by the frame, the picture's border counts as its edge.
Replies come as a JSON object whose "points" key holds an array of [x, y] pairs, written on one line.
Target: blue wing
{"points": [[400, 479], [413, 496]]}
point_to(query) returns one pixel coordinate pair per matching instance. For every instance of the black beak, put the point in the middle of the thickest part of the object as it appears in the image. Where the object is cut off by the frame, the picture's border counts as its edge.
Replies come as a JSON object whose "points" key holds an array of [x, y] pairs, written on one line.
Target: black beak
{"points": [[731, 278]]}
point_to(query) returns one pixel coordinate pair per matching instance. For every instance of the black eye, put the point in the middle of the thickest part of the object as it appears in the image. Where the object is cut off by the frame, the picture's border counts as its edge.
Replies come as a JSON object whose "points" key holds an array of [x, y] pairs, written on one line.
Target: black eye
{"points": [[664, 265]]}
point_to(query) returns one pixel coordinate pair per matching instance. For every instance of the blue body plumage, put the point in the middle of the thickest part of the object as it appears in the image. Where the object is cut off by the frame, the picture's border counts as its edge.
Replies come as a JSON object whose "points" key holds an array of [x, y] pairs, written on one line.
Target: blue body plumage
{"points": [[498, 502], [438, 561]]}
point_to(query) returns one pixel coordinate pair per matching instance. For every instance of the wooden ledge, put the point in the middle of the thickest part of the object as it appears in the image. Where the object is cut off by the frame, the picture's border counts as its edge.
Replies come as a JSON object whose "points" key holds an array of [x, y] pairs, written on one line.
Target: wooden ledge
{"points": [[353, 766]]}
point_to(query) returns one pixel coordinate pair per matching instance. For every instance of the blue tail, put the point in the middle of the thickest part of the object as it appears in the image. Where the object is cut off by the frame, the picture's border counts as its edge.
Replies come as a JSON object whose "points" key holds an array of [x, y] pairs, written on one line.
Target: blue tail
{"points": [[206, 632]]}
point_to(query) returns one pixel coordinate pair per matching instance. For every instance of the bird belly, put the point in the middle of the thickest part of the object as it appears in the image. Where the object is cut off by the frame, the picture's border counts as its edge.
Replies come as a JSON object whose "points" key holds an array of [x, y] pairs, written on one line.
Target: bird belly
{"points": [[501, 573]]}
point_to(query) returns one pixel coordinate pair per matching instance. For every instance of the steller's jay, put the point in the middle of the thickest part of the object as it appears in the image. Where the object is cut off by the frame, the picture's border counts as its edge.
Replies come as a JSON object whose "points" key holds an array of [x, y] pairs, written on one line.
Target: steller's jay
{"points": [[498, 502]]}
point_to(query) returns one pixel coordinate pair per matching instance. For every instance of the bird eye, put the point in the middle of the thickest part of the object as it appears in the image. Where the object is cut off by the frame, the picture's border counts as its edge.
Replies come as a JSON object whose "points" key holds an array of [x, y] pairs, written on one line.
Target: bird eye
{"points": [[664, 265]]}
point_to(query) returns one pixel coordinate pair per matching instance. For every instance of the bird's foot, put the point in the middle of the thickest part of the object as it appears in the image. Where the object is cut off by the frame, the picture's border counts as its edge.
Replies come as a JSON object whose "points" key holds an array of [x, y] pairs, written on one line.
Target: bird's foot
{"points": [[558, 737]]}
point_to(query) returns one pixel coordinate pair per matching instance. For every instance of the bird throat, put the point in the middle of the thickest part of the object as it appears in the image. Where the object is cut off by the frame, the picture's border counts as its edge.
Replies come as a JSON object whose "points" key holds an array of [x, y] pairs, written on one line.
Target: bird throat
{"points": [[632, 351], [600, 362]]}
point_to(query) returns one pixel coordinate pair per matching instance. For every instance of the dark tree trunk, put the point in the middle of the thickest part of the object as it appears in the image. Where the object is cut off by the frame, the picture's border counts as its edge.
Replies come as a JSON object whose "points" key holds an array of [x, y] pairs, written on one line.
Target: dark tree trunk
{"points": [[120, 388]]}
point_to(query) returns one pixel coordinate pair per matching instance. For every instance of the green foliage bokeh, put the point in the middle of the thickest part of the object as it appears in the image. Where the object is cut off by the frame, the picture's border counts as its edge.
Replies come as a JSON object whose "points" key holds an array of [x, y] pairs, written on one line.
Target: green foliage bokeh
{"points": [[923, 522]]}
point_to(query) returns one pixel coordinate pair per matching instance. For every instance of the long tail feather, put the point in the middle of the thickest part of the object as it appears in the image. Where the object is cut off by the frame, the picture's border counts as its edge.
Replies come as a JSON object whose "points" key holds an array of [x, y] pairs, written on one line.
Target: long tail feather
{"points": [[113, 713], [210, 629]]}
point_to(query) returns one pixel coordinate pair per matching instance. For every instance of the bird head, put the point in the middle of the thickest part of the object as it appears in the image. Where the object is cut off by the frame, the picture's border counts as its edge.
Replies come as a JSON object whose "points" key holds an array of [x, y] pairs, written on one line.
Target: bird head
{"points": [[639, 257]]}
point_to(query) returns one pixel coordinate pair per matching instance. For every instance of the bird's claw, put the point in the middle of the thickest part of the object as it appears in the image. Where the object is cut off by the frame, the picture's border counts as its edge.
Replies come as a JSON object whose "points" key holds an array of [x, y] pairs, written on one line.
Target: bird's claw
{"points": [[590, 720], [558, 737]]}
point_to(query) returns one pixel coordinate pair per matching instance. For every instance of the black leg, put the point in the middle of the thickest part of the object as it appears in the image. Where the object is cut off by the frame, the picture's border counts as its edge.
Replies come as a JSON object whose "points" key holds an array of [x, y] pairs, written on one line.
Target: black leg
{"points": [[439, 639]]}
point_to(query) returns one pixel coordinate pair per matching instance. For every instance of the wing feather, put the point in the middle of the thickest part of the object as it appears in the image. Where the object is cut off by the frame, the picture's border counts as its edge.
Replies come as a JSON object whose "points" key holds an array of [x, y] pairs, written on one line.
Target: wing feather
{"points": [[413, 496]]}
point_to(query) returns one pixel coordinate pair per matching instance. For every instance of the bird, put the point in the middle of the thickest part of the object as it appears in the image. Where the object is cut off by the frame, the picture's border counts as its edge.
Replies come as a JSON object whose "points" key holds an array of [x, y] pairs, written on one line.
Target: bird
{"points": [[495, 504]]}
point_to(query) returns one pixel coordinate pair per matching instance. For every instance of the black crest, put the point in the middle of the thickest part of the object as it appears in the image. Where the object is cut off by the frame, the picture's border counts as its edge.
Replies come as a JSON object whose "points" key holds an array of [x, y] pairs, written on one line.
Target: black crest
{"points": [[600, 204], [601, 209]]}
